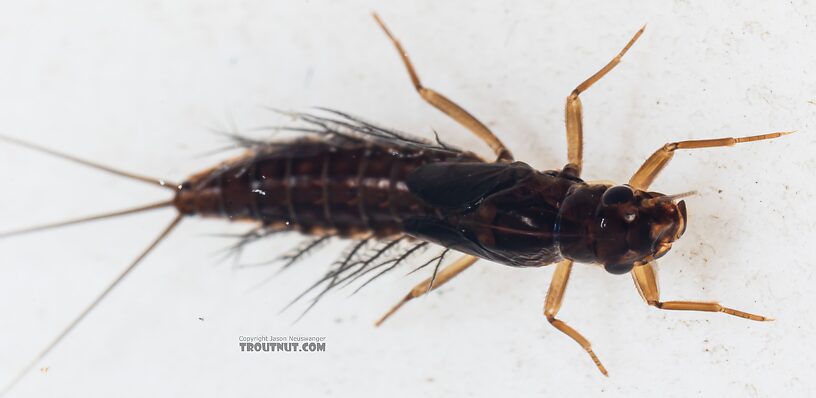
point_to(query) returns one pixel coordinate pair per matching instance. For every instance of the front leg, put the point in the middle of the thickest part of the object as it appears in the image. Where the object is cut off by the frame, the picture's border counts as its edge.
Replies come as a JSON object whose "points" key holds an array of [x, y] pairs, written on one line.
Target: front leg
{"points": [[647, 172], [646, 282]]}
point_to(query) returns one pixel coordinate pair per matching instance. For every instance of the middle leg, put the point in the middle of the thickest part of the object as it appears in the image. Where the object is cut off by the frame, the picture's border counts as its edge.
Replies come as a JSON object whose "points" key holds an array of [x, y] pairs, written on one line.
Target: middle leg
{"points": [[574, 109], [553, 303]]}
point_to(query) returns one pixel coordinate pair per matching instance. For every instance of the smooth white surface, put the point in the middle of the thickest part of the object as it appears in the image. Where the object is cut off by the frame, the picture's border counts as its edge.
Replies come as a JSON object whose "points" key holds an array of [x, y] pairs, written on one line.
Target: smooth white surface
{"points": [[138, 85]]}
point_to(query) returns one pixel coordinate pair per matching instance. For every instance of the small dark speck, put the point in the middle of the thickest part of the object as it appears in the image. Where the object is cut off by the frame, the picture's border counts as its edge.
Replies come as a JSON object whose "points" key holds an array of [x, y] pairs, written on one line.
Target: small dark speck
{"points": [[719, 191], [201, 319], [338, 320]]}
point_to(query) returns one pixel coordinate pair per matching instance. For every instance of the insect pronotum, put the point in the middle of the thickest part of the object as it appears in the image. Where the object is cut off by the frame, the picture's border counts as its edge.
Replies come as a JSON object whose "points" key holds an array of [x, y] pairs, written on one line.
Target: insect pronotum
{"points": [[350, 179]]}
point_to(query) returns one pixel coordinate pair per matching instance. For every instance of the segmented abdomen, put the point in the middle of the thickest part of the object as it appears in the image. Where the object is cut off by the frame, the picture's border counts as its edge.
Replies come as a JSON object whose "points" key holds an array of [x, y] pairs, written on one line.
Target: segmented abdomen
{"points": [[318, 186]]}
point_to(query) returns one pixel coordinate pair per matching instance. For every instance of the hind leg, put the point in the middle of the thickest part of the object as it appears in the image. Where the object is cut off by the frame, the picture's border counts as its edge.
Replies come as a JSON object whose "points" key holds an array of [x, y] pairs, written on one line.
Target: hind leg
{"points": [[444, 275], [447, 106]]}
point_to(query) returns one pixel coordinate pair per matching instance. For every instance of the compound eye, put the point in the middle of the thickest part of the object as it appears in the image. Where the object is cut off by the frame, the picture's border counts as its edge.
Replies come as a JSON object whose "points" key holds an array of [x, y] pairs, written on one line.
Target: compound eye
{"points": [[618, 269], [617, 195]]}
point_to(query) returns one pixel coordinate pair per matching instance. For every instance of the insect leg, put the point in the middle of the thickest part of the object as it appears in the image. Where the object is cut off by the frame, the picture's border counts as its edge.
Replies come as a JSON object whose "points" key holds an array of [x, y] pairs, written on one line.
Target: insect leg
{"points": [[574, 109], [658, 161], [440, 278], [646, 282], [553, 303], [447, 106]]}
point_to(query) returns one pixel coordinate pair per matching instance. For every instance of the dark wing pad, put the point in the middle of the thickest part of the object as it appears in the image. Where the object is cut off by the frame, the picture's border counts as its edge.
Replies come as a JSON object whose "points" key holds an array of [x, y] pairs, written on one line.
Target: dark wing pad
{"points": [[451, 184]]}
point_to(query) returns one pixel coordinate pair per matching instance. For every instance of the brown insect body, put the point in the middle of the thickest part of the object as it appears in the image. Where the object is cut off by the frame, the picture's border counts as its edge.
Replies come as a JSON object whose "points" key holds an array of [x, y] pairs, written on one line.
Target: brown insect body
{"points": [[512, 214], [504, 212], [618, 226], [352, 179], [343, 187]]}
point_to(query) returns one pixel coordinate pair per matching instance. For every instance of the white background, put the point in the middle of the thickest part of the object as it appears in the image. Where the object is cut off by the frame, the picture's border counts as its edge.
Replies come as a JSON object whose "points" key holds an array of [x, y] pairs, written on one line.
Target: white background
{"points": [[140, 85]]}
